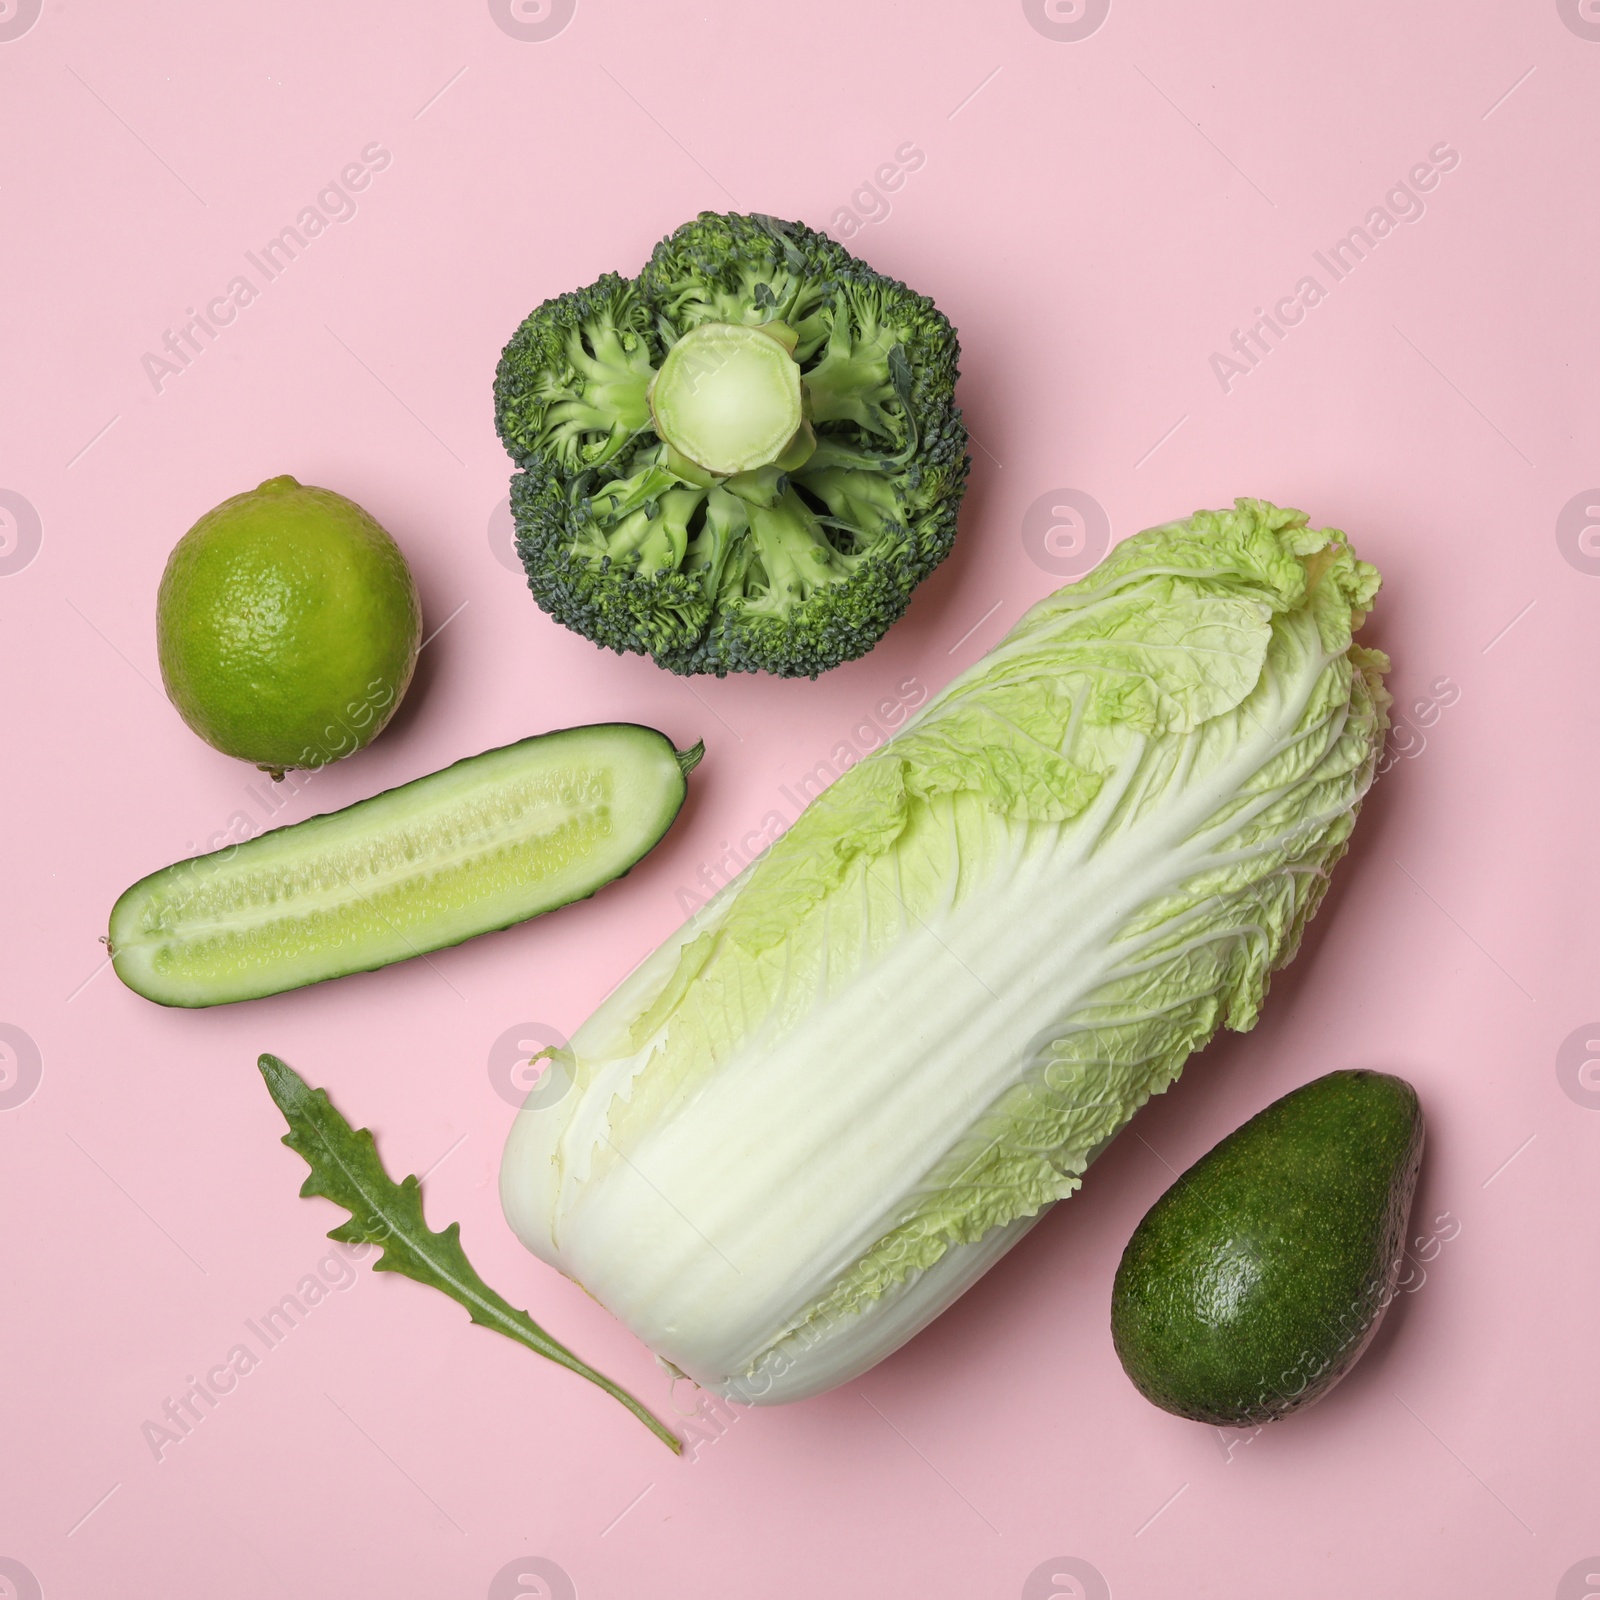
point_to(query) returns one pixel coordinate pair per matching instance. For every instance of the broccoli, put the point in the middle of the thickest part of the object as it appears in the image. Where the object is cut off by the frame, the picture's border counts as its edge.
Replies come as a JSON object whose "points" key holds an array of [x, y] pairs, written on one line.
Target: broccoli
{"points": [[744, 460]]}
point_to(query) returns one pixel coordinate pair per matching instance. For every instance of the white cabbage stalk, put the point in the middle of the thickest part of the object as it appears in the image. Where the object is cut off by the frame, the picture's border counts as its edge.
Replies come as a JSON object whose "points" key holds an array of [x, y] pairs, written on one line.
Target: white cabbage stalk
{"points": [[856, 1078]]}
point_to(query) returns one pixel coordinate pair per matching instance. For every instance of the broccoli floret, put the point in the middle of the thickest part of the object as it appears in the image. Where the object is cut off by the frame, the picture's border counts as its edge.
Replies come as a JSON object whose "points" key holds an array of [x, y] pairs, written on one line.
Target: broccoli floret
{"points": [[743, 461], [744, 270], [571, 386]]}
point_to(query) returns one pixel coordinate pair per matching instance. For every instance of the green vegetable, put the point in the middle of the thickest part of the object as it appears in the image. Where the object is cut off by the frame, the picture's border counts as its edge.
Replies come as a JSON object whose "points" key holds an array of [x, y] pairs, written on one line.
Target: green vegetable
{"points": [[1255, 1282], [346, 1169], [744, 460], [482, 844], [805, 1124]]}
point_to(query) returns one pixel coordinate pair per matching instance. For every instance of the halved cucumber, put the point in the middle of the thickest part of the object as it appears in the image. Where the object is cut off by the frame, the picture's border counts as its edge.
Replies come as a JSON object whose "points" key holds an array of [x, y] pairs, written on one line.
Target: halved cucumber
{"points": [[483, 844]]}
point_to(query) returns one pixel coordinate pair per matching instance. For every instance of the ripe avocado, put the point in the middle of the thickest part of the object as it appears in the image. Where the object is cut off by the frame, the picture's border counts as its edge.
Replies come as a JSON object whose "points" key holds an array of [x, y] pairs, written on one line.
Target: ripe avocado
{"points": [[1254, 1283]]}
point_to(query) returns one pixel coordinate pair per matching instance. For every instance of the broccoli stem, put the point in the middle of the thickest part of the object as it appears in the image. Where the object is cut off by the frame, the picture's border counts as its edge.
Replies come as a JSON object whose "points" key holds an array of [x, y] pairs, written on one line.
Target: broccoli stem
{"points": [[726, 525], [727, 397], [643, 521], [615, 379], [853, 381], [794, 552], [612, 393], [865, 502], [832, 452], [668, 544]]}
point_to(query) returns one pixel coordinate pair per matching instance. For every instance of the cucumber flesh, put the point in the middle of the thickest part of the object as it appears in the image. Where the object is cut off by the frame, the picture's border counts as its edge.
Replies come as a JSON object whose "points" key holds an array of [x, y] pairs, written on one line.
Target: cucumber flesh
{"points": [[483, 844]]}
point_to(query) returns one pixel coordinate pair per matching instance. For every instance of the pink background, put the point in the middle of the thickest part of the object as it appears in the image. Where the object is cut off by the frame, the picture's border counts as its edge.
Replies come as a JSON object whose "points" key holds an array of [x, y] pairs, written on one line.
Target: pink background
{"points": [[1097, 216]]}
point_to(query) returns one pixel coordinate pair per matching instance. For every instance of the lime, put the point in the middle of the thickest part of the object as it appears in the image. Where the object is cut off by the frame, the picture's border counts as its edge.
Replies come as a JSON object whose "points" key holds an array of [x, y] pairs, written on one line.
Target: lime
{"points": [[287, 626]]}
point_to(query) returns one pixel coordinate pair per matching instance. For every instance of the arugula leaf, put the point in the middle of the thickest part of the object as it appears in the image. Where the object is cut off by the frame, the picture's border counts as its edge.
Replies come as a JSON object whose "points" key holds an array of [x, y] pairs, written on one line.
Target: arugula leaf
{"points": [[346, 1169]]}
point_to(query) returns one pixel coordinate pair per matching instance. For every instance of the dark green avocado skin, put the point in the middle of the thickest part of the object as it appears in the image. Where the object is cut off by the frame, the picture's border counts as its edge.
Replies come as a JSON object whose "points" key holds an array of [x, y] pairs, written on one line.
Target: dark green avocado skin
{"points": [[1254, 1283]]}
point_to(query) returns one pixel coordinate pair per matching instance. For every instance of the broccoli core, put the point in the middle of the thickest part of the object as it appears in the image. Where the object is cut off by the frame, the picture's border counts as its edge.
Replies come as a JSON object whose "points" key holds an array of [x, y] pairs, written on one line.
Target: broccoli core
{"points": [[727, 398]]}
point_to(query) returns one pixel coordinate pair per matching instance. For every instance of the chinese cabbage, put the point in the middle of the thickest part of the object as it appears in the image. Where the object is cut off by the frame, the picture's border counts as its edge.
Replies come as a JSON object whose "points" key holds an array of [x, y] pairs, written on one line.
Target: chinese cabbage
{"points": [[858, 1075]]}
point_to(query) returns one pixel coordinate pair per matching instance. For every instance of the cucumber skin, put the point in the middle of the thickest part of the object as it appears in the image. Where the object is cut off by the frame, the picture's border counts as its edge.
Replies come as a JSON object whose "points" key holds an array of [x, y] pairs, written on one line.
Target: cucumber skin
{"points": [[686, 761]]}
